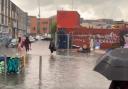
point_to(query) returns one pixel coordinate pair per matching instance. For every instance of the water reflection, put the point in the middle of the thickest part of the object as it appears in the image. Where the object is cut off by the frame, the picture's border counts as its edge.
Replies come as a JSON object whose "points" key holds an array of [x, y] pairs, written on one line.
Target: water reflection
{"points": [[11, 81], [66, 70], [8, 51]]}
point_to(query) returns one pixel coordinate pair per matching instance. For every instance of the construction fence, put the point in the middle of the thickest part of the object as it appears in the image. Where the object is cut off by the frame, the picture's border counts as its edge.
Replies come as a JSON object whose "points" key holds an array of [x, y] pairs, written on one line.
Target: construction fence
{"points": [[103, 41]]}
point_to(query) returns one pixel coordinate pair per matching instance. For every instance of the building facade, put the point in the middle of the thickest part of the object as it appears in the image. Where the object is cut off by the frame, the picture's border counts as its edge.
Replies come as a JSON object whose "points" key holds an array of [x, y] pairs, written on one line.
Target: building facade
{"points": [[120, 25], [98, 24], [70, 32], [44, 26], [104, 24], [22, 20], [33, 25], [68, 19], [12, 19]]}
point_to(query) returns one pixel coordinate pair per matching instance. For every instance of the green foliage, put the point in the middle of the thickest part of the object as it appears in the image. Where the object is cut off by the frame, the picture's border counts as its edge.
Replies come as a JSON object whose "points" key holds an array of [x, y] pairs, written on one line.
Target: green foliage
{"points": [[53, 29]]}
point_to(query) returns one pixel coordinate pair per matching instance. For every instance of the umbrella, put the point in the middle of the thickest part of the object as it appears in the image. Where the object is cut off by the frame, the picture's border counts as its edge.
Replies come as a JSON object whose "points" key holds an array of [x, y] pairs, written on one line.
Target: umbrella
{"points": [[114, 65]]}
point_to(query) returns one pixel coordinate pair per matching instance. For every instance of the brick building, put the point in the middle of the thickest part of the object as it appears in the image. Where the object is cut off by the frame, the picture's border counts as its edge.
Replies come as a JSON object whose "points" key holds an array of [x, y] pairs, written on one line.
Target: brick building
{"points": [[33, 23], [71, 33], [44, 25], [68, 19]]}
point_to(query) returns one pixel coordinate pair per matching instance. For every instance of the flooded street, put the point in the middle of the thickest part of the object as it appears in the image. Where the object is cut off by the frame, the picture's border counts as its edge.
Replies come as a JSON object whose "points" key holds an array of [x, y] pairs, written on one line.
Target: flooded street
{"points": [[62, 70]]}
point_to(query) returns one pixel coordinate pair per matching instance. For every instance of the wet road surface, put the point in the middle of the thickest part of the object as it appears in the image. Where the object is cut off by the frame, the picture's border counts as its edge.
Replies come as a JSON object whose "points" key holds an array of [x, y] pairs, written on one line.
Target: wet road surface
{"points": [[64, 70]]}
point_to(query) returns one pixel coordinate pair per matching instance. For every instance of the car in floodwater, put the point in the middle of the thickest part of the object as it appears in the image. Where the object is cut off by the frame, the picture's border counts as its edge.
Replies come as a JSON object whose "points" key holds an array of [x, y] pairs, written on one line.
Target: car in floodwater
{"points": [[13, 43], [32, 39]]}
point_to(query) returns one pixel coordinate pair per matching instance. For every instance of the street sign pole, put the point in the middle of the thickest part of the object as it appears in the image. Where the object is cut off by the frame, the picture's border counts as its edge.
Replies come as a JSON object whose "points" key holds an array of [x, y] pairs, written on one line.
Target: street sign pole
{"points": [[72, 4], [38, 30]]}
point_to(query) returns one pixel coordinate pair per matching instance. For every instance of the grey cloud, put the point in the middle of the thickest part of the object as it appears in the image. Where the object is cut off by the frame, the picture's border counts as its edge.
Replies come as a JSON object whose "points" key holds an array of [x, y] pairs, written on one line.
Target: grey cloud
{"points": [[108, 12], [102, 8]]}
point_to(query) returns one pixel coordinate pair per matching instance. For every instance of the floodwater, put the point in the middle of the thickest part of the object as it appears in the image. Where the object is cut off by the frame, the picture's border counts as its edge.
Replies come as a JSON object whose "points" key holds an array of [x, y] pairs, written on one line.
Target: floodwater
{"points": [[62, 70]]}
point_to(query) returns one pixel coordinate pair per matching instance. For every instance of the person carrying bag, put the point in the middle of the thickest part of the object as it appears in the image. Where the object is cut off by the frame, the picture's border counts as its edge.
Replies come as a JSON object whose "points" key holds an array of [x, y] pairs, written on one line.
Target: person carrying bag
{"points": [[52, 46]]}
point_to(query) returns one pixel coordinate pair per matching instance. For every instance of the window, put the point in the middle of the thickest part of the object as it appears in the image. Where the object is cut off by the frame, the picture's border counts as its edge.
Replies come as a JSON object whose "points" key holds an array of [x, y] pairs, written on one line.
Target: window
{"points": [[0, 29], [9, 8], [6, 3], [2, 5], [34, 28], [44, 22], [5, 9], [5, 20], [2, 19], [44, 28]]}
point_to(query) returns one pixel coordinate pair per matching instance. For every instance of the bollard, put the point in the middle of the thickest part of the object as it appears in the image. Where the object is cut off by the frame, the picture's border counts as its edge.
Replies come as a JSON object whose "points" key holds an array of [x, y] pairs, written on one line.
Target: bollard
{"points": [[68, 44], [5, 65], [5, 71], [40, 68], [68, 41]]}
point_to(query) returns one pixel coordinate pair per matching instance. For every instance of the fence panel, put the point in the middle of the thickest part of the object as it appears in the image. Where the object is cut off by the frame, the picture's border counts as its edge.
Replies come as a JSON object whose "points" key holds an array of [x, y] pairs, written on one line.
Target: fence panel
{"points": [[91, 39]]}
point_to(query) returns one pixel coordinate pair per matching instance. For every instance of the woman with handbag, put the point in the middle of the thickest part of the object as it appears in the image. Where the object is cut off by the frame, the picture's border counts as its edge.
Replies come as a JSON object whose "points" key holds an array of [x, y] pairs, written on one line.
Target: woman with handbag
{"points": [[21, 49]]}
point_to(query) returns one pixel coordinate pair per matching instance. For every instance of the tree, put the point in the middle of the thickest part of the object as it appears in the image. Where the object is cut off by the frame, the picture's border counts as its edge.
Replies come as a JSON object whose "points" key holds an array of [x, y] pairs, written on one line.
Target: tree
{"points": [[53, 29]]}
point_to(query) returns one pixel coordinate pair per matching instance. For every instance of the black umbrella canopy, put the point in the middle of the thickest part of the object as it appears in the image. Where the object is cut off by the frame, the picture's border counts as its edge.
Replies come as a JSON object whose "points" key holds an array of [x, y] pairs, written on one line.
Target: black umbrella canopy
{"points": [[114, 65]]}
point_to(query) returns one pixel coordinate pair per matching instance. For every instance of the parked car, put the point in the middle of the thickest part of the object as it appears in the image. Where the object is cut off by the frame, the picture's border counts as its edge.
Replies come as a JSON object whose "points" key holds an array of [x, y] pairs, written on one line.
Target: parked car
{"points": [[42, 37], [8, 41], [46, 37], [13, 43], [38, 37], [31, 39]]}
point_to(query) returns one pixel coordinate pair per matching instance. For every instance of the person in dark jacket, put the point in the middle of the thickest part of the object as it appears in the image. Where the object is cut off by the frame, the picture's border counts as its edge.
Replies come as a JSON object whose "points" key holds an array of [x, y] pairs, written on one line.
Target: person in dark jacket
{"points": [[52, 46], [119, 85], [27, 44], [121, 37]]}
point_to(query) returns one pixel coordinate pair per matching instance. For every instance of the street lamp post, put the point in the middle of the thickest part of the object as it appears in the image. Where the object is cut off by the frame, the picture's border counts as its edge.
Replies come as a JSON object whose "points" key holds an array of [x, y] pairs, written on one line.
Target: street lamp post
{"points": [[72, 4], [40, 59], [38, 31]]}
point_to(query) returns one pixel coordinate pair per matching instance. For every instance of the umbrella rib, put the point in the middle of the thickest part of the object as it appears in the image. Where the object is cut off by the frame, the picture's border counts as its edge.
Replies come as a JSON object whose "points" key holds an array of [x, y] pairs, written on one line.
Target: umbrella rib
{"points": [[114, 66]]}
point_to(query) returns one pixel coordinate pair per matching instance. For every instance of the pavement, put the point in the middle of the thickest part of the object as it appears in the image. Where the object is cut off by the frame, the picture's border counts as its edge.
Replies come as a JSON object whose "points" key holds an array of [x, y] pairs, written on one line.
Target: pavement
{"points": [[100, 51], [61, 70]]}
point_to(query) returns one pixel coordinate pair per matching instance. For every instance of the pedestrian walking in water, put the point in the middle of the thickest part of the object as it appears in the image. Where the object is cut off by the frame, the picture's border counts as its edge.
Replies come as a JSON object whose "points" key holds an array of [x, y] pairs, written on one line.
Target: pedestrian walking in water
{"points": [[126, 41], [122, 36], [20, 45], [52, 46], [27, 44], [92, 43], [119, 85]]}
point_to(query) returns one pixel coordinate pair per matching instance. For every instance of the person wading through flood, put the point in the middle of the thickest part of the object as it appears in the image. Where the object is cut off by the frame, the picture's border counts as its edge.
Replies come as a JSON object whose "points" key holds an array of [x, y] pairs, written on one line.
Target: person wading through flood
{"points": [[27, 44], [52, 46], [21, 46]]}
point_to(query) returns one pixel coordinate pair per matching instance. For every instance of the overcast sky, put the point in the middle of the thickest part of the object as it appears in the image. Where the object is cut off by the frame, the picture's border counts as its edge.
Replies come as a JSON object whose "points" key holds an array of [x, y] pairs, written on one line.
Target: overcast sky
{"points": [[88, 9]]}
